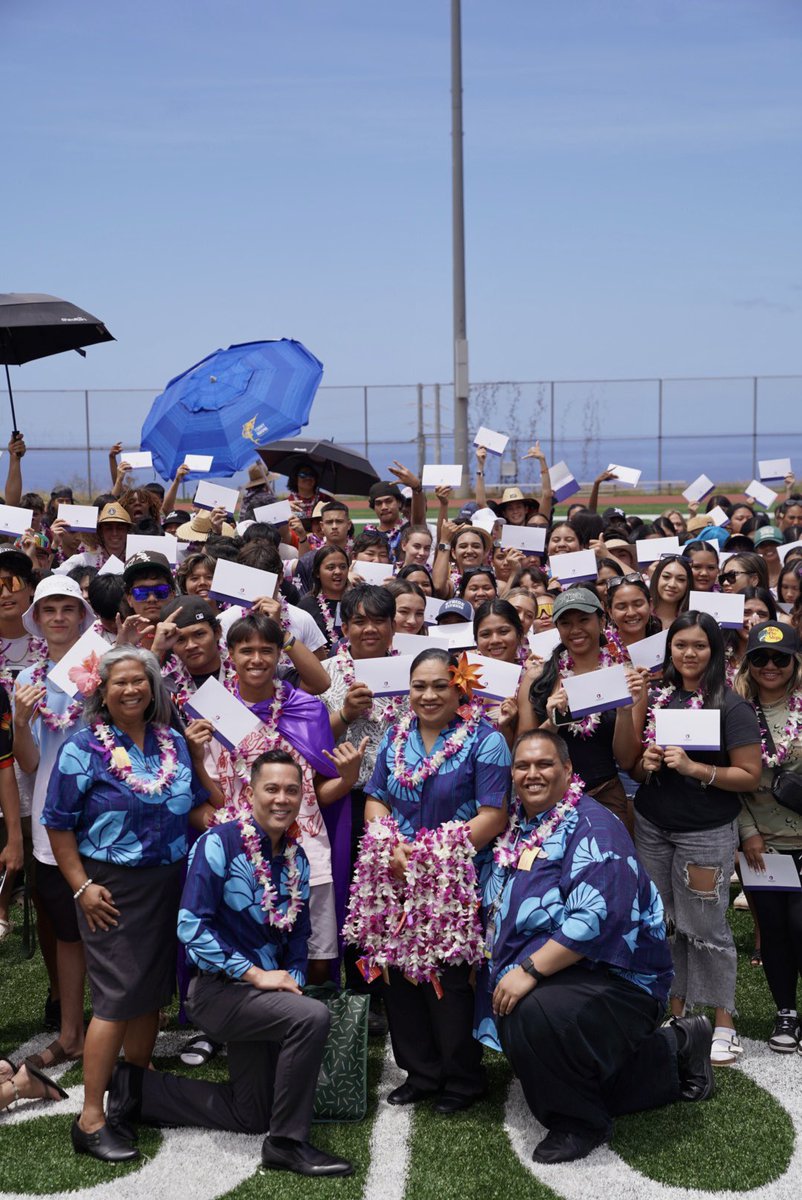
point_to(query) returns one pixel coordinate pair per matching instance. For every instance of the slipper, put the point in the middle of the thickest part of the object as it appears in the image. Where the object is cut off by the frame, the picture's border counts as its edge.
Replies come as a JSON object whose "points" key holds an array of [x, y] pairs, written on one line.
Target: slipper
{"points": [[59, 1056], [198, 1051], [5, 929], [14, 1067], [47, 1081]]}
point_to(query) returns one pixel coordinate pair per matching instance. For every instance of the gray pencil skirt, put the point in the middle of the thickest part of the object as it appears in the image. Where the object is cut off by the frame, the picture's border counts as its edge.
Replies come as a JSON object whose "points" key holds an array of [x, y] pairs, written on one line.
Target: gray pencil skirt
{"points": [[131, 966]]}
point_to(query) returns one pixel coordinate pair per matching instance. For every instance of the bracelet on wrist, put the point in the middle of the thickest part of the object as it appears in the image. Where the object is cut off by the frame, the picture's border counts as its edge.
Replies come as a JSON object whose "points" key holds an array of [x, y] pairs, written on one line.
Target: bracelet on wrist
{"points": [[480, 472], [77, 895], [289, 641], [343, 718]]}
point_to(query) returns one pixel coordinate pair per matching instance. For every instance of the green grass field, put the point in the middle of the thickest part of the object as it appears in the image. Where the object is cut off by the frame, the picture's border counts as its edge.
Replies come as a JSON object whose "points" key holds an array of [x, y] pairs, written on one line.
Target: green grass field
{"points": [[739, 1141]]}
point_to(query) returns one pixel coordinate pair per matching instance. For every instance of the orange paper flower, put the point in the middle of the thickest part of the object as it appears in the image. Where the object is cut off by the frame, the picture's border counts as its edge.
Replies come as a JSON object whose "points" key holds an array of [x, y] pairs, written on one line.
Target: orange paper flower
{"points": [[466, 676]]}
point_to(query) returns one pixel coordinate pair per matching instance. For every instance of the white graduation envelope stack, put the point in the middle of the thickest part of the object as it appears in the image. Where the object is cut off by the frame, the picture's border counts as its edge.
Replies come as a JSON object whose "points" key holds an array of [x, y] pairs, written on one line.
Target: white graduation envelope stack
{"points": [[725, 607], [441, 475], [530, 539], [456, 635], [543, 644], [781, 874], [373, 572], [773, 470], [15, 520], [629, 476], [88, 643], [233, 721], [214, 495], [597, 691], [578, 566], [385, 676], [494, 443], [412, 643], [167, 545], [501, 679], [562, 482], [274, 514], [758, 491], [240, 584], [199, 462], [649, 652], [81, 518], [688, 728], [138, 460], [695, 492], [650, 549]]}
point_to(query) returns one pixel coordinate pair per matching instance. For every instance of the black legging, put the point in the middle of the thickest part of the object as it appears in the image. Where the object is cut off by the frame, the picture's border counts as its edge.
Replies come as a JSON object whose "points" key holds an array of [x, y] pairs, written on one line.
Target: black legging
{"points": [[779, 915]]}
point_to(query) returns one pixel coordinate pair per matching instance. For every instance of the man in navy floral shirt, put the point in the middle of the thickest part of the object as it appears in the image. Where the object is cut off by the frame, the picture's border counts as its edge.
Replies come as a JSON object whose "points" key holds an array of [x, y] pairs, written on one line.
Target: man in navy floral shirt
{"points": [[579, 967], [244, 920]]}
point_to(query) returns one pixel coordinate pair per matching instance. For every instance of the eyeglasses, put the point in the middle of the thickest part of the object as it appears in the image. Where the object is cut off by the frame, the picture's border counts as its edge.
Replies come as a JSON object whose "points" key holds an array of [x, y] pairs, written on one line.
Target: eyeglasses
{"points": [[730, 576], [160, 591], [11, 584], [761, 658]]}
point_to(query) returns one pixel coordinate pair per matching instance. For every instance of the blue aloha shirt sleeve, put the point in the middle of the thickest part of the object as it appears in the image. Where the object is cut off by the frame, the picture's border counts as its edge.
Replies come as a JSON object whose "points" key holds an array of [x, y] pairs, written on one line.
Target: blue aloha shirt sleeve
{"points": [[493, 763], [68, 784], [377, 785], [201, 899]]}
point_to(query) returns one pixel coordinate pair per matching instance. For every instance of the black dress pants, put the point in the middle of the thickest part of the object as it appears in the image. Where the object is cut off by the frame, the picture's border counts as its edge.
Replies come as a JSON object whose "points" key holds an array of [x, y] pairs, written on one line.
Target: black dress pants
{"points": [[586, 1048]]}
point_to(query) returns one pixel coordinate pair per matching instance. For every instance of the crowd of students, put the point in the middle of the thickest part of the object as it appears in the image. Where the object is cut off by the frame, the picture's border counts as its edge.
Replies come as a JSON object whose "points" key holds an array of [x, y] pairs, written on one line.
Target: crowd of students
{"points": [[587, 935]]}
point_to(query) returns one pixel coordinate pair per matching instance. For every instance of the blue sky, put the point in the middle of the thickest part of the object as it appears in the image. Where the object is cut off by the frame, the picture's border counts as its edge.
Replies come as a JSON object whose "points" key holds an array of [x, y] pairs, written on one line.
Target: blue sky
{"points": [[199, 173]]}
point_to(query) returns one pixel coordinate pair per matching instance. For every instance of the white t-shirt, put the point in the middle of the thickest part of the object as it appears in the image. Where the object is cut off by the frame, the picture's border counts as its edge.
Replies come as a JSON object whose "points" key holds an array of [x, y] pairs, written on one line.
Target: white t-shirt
{"points": [[88, 558]]}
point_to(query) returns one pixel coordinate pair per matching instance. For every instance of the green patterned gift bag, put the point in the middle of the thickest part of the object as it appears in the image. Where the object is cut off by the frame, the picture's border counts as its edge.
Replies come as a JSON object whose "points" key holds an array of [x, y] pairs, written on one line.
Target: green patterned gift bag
{"points": [[342, 1085]]}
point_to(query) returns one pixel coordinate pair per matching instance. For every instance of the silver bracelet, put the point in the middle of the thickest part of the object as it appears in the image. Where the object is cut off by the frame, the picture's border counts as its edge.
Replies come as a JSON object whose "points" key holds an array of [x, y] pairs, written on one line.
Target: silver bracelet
{"points": [[81, 890]]}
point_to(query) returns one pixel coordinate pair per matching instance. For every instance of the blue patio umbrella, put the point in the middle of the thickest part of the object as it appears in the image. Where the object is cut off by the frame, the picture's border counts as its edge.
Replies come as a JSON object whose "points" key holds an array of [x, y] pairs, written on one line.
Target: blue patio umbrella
{"points": [[232, 403]]}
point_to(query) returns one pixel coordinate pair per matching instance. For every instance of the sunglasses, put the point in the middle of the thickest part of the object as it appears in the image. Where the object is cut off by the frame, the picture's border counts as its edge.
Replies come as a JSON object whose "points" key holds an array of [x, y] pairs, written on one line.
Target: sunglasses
{"points": [[619, 580], [160, 591], [761, 658], [11, 585], [683, 558], [730, 576]]}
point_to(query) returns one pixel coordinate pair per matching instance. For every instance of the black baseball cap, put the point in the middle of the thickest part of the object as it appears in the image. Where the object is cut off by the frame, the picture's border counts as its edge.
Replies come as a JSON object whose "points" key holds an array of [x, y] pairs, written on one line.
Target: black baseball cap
{"points": [[16, 562], [188, 610], [772, 635], [146, 562]]}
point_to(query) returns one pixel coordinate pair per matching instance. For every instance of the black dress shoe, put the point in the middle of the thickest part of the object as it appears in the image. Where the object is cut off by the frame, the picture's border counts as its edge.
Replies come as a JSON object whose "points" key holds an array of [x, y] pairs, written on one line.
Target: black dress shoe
{"points": [[124, 1104], [694, 1039], [407, 1094], [559, 1147], [303, 1158], [449, 1103], [104, 1144]]}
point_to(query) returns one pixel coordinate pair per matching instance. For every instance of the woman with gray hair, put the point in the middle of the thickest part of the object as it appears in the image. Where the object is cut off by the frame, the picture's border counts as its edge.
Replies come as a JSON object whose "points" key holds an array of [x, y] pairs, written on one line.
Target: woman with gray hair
{"points": [[117, 811]]}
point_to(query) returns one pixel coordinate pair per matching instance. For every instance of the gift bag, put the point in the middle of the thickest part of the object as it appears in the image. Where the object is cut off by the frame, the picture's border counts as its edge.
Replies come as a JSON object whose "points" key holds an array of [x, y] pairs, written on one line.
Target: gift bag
{"points": [[342, 1085]]}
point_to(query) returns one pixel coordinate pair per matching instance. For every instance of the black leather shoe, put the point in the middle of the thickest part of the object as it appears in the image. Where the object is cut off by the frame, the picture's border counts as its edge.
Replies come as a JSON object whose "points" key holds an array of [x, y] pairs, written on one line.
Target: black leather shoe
{"points": [[449, 1103], [104, 1144], [303, 1158], [558, 1147], [124, 1104], [694, 1039], [407, 1094]]}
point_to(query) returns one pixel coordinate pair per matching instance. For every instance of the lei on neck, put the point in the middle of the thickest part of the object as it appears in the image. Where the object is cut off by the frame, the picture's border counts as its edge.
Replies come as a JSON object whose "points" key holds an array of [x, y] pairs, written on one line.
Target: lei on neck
{"points": [[615, 645], [37, 648], [588, 725], [386, 709], [423, 922], [270, 905], [659, 698], [791, 732], [328, 620], [184, 685], [509, 847], [118, 762], [55, 722], [432, 763], [731, 665]]}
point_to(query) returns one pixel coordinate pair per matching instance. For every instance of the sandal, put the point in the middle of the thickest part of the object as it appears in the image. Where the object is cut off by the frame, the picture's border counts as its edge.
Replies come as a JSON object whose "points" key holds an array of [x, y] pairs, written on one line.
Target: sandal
{"points": [[35, 1073], [58, 1056], [725, 1050], [757, 958], [5, 929], [198, 1051], [12, 1065]]}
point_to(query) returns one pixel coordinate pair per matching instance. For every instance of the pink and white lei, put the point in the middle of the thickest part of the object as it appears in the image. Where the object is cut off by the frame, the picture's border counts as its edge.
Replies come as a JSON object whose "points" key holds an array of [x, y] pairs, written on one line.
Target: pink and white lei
{"points": [[328, 620], [183, 683], [119, 764], [509, 848], [389, 709], [432, 763], [52, 720], [589, 724], [659, 698], [269, 903], [792, 732], [37, 649]]}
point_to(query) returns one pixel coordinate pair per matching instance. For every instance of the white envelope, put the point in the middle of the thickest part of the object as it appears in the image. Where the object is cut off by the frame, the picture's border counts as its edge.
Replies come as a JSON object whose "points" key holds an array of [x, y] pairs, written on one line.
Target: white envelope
{"points": [[718, 516], [626, 475], [233, 721], [88, 643], [697, 490], [542, 644], [758, 491], [457, 635], [501, 679], [575, 567], [780, 874], [373, 572], [411, 643], [562, 482], [483, 518], [650, 549], [81, 518], [530, 539], [688, 728], [210, 495], [496, 443], [240, 584], [274, 514], [649, 652], [112, 566], [784, 550], [725, 607], [15, 520], [385, 676], [199, 462], [773, 470], [137, 459], [166, 545], [441, 475], [597, 691], [432, 609]]}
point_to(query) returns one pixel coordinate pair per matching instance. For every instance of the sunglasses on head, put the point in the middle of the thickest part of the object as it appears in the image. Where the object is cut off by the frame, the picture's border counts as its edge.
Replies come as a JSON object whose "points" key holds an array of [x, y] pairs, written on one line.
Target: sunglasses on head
{"points": [[618, 580], [159, 590], [761, 658], [730, 576], [11, 584], [675, 558]]}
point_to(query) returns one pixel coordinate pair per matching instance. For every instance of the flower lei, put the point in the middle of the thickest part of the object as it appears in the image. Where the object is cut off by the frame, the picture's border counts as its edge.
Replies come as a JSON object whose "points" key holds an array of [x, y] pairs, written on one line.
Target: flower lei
{"points": [[119, 764], [37, 648], [328, 620], [52, 720], [509, 848], [419, 923], [615, 645], [389, 709], [588, 725], [262, 870], [432, 763], [183, 683], [791, 733], [659, 698]]}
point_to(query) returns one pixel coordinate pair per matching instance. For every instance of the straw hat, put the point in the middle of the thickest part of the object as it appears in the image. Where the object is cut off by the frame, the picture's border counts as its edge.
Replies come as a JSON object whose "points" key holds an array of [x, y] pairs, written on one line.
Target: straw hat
{"points": [[258, 475], [514, 495], [199, 528]]}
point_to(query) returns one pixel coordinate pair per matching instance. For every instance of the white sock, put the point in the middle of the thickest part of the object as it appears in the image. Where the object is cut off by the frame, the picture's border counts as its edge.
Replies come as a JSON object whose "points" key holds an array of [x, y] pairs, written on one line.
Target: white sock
{"points": [[723, 1033]]}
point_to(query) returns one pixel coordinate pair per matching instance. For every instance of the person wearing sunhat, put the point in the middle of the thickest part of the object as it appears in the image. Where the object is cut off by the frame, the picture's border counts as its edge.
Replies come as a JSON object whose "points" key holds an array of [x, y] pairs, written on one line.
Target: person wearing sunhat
{"points": [[198, 528], [258, 490], [515, 507], [766, 541], [113, 526]]}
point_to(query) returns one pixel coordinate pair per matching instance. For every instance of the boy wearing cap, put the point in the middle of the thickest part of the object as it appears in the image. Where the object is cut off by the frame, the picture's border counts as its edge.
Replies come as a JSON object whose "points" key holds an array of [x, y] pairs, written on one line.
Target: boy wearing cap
{"points": [[386, 500], [149, 584], [44, 717]]}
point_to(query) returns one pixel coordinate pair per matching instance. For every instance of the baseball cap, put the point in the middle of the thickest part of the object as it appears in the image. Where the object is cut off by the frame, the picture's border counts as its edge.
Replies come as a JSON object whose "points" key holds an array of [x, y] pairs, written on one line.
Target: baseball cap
{"points": [[769, 533], [188, 610], [17, 562], [579, 599], [383, 488], [772, 635], [467, 511], [146, 562], [455, 608], [57, 585], [179, 516]]}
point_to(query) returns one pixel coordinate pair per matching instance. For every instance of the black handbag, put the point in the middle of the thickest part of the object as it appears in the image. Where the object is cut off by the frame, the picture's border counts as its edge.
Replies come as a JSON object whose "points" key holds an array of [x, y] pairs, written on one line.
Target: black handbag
{"points": [[786, 786]]}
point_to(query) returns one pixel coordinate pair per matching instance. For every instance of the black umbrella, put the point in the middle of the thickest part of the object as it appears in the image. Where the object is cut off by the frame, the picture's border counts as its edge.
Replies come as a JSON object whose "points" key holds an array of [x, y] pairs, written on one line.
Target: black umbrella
{"points": [[35, 326], [341, 469]]}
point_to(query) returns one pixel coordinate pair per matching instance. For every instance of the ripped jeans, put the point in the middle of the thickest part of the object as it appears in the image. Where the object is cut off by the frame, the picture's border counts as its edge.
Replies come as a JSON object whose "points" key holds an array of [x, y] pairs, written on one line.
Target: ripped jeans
{"points": [[692, 872]]}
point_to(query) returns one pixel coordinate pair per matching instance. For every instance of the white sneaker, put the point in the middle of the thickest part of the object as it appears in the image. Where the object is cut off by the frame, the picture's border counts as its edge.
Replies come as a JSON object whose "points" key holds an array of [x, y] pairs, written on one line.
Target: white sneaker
{"points": [[726, 1048], [740, 901]]}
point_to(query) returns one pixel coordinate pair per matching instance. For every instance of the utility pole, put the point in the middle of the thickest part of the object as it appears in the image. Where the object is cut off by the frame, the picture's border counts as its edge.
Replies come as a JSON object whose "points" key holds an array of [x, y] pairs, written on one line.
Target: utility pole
{"points": [[458, 251]]}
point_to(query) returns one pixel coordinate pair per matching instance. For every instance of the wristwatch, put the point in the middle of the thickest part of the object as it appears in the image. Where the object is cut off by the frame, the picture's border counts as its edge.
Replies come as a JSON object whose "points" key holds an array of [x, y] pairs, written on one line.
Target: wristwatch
{"points": [[443, 546], [532, 970]]}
